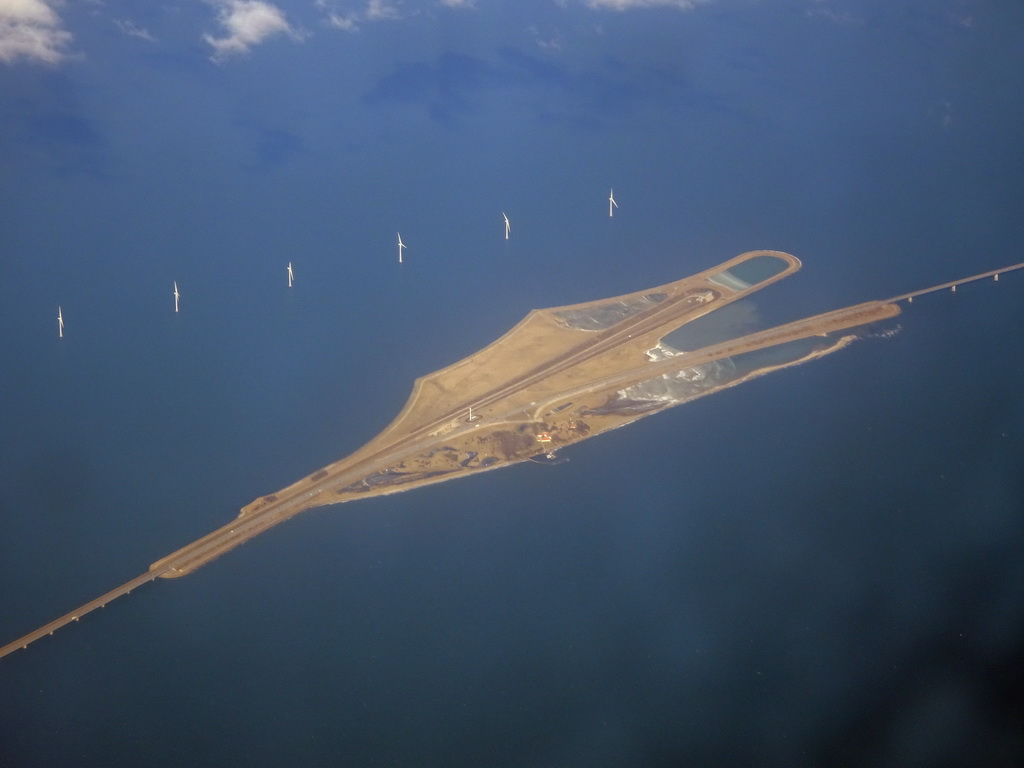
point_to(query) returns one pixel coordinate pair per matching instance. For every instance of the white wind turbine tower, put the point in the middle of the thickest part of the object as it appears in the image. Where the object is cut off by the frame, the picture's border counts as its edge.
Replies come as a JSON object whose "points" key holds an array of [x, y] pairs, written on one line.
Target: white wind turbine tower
{"points": [[60, 323], [611, 203], [176, 295], [508, 226], [401, 245], [291, 275]]}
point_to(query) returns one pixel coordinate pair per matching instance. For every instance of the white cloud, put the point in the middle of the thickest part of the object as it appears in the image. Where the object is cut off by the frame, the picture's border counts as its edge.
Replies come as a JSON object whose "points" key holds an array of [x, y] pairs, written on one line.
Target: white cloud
{"points": [[381, 9], [459, 3], [838, 17], [31, 29], [247, 23], [625, 5], [347, 23], [132, 29], [546, 44], [375, 10]]}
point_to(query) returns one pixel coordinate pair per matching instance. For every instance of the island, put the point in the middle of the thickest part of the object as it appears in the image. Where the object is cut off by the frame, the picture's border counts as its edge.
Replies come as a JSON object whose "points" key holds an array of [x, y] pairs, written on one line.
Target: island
{"points": [[561, 375]]}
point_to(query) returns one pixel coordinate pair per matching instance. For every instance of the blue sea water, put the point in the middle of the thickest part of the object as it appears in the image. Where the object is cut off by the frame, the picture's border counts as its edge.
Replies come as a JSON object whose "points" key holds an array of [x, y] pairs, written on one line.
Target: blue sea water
{"points": [[821, 567]]}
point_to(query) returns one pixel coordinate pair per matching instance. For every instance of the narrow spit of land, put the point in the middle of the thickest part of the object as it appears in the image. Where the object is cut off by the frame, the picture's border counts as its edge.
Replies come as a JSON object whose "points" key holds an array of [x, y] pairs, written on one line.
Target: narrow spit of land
{"points": [[559, 376]]}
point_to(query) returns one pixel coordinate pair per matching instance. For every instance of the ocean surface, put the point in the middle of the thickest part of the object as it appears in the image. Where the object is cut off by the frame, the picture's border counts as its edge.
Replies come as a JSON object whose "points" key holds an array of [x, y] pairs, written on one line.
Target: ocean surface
{"points": [[821, 567]]}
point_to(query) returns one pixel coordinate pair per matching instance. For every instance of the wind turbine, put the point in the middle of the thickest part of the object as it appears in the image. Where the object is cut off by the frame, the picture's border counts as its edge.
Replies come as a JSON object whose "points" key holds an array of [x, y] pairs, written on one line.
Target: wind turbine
{"points": [[60, 323], [291, 275], [508, 226], [611, 203], [401, 245], [176, 295]]}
